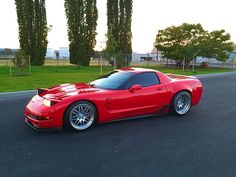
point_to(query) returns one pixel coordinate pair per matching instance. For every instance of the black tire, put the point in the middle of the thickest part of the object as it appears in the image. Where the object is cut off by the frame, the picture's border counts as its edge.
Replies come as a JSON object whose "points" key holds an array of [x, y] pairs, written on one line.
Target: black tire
{"points": [[80, 116], [181, 103]]}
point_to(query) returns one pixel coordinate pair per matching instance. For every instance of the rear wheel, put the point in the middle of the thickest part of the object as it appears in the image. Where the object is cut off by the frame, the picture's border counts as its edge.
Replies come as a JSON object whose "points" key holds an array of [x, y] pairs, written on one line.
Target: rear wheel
{"points": [[181, 103], [80, 115]]}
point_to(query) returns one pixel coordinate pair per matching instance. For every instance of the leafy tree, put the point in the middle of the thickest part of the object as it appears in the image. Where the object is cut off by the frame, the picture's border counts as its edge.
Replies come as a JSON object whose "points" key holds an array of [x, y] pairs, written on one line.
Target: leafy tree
{"points": [[119, 18], [217, 45], [113, 18], [181, 43], [33, 30], [82, 18], [185, 42], [112, 47]]}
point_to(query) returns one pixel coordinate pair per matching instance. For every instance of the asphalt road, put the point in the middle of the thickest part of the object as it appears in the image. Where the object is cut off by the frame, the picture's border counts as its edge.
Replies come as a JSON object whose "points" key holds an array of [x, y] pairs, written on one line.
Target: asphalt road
{"points": [[202, 144]]}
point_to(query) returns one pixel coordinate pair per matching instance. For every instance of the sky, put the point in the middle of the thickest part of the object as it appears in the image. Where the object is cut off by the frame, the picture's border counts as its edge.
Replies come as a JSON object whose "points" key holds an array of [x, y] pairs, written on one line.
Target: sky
{"points": [[149, 16]]}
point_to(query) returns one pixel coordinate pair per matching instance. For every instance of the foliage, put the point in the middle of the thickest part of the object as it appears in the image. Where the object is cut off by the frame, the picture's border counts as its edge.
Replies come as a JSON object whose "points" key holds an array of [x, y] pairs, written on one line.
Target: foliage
{"points": [[119, 19], [111, 46], [187, 41], [21, 59], [82, 18], [217, 45], [33, 30], [180, 42]]}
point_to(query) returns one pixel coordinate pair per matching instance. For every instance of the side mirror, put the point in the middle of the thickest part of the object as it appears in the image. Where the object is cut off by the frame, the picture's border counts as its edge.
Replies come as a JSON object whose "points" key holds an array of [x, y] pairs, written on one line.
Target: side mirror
{"points": [[135, 87]]}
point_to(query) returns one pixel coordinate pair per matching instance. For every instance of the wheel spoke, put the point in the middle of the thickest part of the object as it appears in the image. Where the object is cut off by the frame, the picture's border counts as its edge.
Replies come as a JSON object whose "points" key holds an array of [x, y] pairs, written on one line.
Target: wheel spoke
{"points": [[182, 104], [88, 114], [82, 116], [77, 121], [74, 118], [85, 109], [87, 119]]}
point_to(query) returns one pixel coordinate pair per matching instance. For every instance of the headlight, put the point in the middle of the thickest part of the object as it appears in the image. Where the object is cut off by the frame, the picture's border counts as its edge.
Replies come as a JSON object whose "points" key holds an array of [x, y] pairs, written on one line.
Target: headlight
{"points": [[47, 102]]}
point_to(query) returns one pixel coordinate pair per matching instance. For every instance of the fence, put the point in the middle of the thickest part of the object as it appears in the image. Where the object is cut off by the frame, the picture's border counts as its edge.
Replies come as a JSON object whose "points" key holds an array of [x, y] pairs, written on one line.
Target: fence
{"points": [[98, 61], [127, 60], [20, 67]]}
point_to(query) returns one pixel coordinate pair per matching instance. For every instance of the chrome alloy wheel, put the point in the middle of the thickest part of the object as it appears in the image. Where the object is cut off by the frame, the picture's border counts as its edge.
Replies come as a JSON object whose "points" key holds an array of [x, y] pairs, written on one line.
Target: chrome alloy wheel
{"points": [[182, 103], [82, 116]]}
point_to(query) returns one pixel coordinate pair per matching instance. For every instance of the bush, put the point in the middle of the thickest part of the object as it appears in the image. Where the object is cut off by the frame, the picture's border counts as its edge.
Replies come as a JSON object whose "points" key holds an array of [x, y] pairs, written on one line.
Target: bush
{"points": [[21, 59]]}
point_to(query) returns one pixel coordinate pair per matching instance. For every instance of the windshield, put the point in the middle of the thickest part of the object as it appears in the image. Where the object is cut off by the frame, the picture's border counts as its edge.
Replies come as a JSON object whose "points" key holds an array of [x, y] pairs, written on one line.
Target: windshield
{"points": [[112, 80]]}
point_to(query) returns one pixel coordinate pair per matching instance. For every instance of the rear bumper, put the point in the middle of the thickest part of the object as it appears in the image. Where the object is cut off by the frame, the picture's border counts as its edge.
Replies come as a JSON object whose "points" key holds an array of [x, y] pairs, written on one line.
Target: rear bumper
{"points": [[197, 94]]}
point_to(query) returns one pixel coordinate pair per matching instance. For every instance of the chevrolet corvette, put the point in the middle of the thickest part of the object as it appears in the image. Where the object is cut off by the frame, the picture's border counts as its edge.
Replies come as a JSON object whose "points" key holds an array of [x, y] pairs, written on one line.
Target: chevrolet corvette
{"points": [[121, 94]]}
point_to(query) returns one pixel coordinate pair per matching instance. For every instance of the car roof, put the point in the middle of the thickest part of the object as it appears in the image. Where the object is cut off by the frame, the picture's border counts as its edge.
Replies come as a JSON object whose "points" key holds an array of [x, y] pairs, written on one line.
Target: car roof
{"points": [[136, 70]]}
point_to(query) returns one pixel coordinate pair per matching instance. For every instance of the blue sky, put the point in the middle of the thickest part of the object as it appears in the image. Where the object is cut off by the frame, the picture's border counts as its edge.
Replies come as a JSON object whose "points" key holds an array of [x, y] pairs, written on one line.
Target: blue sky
{"points": [[148, 17]]}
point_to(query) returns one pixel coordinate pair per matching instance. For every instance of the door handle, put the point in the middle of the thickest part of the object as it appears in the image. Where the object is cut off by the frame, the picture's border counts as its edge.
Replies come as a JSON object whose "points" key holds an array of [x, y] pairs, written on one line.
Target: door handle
{"points": [[108, 99], [160, 88]]}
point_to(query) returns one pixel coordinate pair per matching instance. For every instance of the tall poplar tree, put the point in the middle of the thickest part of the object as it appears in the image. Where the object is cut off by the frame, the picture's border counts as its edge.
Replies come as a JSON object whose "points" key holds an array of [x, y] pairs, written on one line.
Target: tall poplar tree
{"points": [[119, 19], [33, 30], [82, 18]]}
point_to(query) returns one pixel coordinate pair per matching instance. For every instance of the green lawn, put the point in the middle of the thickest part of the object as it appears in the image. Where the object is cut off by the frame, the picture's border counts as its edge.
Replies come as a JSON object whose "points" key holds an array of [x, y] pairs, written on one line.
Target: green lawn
{"points": [[46, 76]]}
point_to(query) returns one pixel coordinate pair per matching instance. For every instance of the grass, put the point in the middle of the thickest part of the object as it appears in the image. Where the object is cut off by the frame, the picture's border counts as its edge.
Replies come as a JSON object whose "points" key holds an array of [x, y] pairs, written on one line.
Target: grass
{"points": [[46, 76]]}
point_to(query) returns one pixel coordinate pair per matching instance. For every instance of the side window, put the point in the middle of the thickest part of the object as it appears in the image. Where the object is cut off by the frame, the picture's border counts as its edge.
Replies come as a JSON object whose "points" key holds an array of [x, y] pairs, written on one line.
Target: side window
{"points": [[144, 79]]}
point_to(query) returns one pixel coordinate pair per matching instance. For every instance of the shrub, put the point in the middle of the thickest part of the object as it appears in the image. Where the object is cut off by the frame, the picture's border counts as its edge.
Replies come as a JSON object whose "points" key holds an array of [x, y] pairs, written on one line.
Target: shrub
{"points": [[21, 59]]}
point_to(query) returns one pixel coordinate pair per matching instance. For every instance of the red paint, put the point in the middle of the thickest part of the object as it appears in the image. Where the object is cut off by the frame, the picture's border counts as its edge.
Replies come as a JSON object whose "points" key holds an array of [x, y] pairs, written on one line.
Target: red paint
{"points": [[111, 104]]}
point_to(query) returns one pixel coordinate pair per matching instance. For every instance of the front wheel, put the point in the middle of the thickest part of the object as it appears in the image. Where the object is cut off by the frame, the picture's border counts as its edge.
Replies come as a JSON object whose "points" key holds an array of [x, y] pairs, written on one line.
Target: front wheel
{"points": [[80, 115], [181, 103]]}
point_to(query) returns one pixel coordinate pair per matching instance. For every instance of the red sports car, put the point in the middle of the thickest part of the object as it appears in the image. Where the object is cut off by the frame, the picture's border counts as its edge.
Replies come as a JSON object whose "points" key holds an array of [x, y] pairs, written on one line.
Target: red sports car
{"points": [[120, 94]]}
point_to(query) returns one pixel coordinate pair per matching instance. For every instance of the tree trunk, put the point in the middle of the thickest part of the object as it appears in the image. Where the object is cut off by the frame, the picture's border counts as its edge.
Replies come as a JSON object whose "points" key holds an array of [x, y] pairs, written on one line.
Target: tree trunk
{"points": [[193, 67], [183, 65]]}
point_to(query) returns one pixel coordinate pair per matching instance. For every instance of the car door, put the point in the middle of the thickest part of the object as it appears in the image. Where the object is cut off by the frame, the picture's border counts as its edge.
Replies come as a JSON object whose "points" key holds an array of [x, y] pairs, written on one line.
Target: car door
{"points": [[125, 105], [149, 99]]}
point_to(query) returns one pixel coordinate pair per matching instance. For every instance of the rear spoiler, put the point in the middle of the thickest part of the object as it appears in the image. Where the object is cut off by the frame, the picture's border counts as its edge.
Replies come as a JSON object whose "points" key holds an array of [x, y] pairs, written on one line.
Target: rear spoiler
{"points": [[41, 91]]}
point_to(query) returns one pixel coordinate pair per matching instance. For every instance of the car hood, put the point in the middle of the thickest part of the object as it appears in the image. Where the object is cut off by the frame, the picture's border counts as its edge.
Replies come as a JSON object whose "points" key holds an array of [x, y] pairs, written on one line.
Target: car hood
{"points": [[66, 90]]}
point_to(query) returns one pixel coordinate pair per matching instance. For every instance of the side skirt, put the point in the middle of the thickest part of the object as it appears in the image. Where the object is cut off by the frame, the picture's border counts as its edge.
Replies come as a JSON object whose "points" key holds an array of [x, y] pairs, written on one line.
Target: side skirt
{"points": [[159, 112]]}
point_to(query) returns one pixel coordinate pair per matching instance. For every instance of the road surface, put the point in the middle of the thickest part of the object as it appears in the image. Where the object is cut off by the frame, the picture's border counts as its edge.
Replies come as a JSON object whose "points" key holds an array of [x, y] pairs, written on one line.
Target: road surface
{"points": [[203, 143]]}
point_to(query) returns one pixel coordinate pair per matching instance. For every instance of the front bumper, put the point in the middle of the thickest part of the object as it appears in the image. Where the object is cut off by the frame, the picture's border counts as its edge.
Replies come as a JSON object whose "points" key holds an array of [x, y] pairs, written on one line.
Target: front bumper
{"points": [[38, 128], [41, 117]]}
